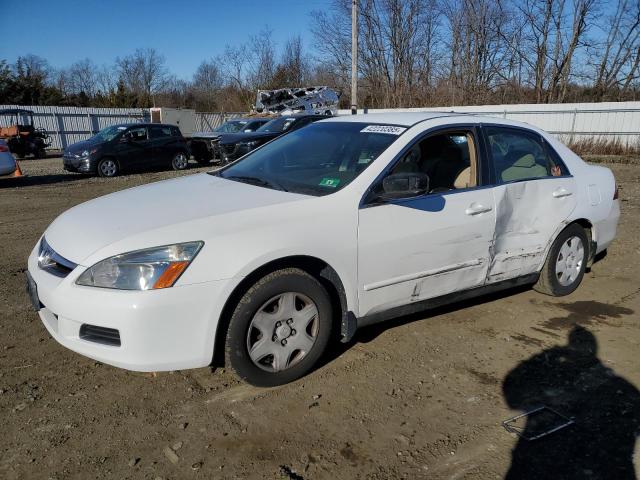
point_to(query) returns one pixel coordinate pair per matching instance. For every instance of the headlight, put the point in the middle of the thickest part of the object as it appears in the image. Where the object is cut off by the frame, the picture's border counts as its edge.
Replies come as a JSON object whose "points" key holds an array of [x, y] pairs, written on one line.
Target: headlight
{"points": [[149, 269], [86, 153]]}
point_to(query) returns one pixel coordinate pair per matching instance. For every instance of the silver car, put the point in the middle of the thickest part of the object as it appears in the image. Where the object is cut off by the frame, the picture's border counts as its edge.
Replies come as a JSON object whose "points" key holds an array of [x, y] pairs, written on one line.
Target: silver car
{"points": [[7, 162]]}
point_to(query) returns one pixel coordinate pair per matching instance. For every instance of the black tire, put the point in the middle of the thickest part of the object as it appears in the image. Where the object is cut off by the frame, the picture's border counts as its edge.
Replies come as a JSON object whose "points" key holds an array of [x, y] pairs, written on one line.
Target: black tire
{"points": [[549, 281], [108, 167], [180, 161], [238, 334]]}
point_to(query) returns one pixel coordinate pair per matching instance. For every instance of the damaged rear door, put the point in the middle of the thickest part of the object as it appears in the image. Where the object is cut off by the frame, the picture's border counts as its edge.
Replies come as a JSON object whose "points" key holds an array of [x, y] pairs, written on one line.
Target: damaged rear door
{"points": [[534, 195]]}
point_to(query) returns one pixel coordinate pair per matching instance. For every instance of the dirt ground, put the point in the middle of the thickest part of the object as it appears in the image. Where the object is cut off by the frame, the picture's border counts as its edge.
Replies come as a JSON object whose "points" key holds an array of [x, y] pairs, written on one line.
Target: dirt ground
{"points": [[421, 397]]}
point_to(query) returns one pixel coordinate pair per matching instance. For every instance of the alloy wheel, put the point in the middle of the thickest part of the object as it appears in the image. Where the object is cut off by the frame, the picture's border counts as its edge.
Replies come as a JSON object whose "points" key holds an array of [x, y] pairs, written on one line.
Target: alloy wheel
{"points": [[180, 161], [108, 168]]}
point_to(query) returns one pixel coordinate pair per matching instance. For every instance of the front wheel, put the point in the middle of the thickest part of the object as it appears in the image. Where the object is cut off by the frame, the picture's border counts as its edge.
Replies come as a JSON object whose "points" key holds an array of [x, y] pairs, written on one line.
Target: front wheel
{"points": [[279, 329], [108, 167], [180, 161], [565, 264]]}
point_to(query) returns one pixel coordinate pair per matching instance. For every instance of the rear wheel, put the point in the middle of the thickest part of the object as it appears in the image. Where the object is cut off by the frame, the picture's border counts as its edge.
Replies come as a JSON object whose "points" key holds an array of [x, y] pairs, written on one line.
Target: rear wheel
{"points": [[180, 161], [566, 263], [279, 329], [108, 167]]}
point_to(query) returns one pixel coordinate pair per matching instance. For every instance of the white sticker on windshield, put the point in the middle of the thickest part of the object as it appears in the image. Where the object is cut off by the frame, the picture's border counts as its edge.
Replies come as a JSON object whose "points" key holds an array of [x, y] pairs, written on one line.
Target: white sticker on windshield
{"points": [[390, 129], [122, 128]]}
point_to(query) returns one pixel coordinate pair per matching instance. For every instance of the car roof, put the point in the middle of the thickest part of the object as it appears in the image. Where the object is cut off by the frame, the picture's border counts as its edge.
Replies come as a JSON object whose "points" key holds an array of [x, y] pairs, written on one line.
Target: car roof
{"points": [[141, 124], [406, 119], [409, 119], [249, 119]]}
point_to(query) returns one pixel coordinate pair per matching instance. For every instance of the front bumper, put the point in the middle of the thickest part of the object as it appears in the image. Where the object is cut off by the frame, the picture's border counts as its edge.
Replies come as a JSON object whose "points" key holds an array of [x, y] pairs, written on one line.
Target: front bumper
{"points": [[78, 164], [159, 330]]}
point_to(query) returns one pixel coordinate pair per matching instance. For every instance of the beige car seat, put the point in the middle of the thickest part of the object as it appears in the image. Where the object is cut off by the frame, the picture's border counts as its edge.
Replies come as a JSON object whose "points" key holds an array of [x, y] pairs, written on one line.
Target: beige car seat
{"points": [[524, 167]]}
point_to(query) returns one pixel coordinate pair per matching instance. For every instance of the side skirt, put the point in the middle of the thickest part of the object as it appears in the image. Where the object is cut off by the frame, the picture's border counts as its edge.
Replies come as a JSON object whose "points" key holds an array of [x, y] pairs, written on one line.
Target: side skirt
{"points": [[445, 300]]}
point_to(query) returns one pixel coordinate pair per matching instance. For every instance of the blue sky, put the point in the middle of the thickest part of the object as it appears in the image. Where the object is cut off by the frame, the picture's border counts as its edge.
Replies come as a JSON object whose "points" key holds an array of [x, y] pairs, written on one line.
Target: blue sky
{"points": [[185, 32]]}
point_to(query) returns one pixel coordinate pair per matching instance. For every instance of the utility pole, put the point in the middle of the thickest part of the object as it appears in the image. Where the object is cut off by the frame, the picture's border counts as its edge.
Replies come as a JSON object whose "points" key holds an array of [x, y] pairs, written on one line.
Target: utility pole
{"points": [[354, 57]]}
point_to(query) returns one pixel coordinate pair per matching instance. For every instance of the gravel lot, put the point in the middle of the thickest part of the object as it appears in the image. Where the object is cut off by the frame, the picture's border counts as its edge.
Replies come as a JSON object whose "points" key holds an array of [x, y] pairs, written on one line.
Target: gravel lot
{"points": [[421, 397]]}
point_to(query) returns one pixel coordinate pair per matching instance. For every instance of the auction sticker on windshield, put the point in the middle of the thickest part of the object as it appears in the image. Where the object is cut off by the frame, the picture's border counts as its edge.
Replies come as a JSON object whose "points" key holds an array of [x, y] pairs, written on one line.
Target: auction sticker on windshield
{"points": [[390, 129]]}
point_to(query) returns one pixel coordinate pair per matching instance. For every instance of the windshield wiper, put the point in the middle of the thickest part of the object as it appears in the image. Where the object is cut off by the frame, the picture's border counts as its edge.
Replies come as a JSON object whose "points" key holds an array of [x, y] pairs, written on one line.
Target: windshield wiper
{"points": [[261, 182]]}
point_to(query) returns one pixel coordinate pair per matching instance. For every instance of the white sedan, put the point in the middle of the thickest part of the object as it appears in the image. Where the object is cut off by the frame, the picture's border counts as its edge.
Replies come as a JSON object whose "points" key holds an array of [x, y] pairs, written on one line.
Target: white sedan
{"points": [[343, 223]]}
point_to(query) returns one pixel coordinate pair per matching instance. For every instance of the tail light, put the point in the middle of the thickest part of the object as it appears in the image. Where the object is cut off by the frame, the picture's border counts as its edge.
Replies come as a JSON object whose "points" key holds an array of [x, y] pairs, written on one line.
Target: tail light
{"points": [[4, 148], [615, 194]]}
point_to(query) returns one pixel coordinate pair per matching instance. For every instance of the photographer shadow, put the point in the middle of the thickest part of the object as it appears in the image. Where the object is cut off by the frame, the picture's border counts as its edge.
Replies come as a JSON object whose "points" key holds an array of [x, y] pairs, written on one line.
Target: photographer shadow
{"points": [[605, 407]]}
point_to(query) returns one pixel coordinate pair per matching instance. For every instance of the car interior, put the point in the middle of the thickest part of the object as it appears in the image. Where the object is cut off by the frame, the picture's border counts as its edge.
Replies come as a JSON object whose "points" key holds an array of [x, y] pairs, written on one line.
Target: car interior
{"points": [[137, 134], [449, 159], [520, 156]]}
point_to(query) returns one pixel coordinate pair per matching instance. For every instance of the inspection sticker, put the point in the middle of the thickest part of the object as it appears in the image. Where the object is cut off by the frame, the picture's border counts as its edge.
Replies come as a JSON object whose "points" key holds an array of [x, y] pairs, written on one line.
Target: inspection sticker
{"points": [[390, 129], [330, 182]]}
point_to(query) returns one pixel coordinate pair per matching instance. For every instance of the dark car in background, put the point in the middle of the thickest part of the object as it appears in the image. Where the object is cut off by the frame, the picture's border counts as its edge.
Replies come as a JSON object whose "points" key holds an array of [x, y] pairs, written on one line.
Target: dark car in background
{"points": [[128, 147], [234, 145], [204, 145]]}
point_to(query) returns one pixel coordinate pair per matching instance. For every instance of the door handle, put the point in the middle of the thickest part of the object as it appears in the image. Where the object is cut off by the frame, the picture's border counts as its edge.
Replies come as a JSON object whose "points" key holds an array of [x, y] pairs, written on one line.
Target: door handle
{"points": [[476, 208], [561, 192]]}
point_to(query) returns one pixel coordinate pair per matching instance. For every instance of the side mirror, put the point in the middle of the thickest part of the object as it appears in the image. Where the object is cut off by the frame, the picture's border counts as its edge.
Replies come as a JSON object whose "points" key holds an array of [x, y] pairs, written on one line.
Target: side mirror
{"points": [[404, 185]]}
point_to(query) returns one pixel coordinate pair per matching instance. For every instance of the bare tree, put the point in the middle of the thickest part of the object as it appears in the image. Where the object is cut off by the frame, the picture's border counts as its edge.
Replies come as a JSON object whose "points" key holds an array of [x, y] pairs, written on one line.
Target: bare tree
{"points": [[206, 84], [398, 47], [82, 77], [555, 33], [262, 59], [618, 61], [143, 72], [293, 68]]}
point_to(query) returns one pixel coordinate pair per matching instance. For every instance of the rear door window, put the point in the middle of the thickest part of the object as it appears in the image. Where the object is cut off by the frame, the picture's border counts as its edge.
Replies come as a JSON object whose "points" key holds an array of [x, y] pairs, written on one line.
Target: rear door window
{"points": [[519, 155], [160, 131]]}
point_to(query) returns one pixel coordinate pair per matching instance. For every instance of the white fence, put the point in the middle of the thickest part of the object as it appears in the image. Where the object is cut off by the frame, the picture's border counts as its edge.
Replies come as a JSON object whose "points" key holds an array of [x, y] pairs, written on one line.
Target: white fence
{"points": [[67, 125], [568, 121]]}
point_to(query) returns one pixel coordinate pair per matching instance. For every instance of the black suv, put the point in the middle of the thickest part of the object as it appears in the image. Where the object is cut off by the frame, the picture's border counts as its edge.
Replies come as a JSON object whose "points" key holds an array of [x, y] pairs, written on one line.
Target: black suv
{"points": [[132, 146], [234, 145]]}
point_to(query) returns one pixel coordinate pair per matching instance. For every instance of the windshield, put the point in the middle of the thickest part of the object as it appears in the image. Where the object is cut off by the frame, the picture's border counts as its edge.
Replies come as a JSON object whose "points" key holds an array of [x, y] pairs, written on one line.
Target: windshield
{"points": [[232, 126], [277, 125], [109, 133], [315, 160]]}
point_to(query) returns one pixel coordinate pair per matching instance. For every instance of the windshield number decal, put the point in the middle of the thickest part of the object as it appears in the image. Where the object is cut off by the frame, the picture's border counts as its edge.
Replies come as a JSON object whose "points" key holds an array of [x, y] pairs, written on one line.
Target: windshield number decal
{"points": [[330, 182], [389, 129]]}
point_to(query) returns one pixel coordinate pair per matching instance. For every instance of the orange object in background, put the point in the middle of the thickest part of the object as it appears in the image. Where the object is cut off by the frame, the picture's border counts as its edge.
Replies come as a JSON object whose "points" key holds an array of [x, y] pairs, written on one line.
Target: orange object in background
{"points": [[18, 172]]}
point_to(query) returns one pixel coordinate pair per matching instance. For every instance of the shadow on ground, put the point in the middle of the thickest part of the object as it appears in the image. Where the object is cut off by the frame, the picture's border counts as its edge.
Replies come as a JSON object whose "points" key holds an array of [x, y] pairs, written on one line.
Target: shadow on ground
{"points": [[604, 406]]}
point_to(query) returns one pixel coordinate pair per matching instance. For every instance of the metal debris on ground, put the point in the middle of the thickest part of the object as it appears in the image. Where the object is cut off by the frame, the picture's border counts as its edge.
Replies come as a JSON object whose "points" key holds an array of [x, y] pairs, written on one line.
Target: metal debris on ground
{"points": [[537, 423]]}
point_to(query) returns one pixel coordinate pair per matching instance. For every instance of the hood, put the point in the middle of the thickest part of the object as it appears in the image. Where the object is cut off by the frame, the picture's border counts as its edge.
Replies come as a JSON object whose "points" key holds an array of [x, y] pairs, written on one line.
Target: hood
{"points": [[79, 147], [170, 204], [229, 138], [212, 135]]}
